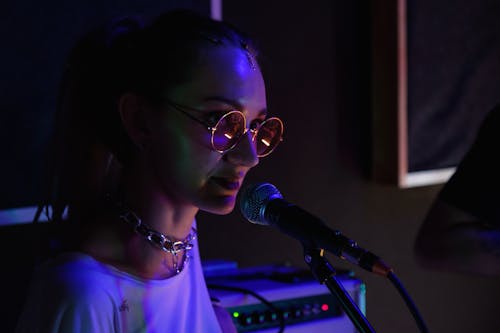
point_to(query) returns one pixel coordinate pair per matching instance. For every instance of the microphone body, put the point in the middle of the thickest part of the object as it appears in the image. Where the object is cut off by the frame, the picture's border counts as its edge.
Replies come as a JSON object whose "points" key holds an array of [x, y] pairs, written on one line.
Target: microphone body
{"points": [[264, 204]]}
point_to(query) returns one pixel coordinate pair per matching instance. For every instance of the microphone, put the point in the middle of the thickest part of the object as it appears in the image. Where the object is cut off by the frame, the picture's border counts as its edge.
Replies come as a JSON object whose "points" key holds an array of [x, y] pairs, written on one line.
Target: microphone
{"points": [[263, 204]]}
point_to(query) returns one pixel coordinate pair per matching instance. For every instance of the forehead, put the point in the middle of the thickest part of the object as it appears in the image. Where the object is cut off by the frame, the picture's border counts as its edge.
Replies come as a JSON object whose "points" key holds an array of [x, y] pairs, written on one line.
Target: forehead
{"points": [[226, 72]]}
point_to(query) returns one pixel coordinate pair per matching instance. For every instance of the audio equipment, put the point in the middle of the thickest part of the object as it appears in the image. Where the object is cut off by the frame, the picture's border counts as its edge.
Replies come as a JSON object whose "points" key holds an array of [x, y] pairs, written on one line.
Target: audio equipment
{"points": [[306, 305]]}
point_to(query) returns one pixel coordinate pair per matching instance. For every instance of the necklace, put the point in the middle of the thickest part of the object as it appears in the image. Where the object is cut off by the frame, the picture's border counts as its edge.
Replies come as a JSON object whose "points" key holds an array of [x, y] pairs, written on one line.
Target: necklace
{"points": [[159, 240]]}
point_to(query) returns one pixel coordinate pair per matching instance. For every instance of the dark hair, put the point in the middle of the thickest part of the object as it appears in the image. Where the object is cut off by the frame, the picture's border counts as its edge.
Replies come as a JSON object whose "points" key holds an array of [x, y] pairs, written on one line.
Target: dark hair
{"points": [[128, 55]]}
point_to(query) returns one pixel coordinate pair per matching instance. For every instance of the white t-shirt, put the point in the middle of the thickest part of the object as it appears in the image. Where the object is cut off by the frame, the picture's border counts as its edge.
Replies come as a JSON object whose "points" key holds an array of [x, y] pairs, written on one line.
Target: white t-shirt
{"points": [[75, 293]]}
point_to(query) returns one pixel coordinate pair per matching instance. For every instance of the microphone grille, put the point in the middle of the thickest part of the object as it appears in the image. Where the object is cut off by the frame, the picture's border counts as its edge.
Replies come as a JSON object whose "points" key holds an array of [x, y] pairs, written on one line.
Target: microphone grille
{"points": [[254, 199]]}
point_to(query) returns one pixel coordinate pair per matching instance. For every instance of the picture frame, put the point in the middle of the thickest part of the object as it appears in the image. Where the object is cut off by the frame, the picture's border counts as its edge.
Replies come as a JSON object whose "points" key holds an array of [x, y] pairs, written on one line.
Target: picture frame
{"points": [[434, 76]]}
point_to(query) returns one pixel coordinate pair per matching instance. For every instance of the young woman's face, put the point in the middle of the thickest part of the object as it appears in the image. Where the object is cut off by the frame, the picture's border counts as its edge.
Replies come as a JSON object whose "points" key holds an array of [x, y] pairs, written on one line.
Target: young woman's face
{"points": [[186, 168]]}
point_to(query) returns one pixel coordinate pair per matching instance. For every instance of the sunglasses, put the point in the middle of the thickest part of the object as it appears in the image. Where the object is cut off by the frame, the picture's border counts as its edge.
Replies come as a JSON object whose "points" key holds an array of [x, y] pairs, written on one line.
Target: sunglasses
{"points": [[231, 127]]}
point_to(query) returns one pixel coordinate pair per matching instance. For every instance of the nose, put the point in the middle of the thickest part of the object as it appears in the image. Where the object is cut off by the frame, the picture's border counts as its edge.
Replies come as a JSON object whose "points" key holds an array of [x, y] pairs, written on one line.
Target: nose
{"points": [[244, 153]]}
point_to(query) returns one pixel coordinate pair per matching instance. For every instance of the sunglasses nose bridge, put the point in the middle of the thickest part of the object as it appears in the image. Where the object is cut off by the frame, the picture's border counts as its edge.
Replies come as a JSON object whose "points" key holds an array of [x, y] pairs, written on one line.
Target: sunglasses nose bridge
{"points": [[253, 132], [263, 147]]}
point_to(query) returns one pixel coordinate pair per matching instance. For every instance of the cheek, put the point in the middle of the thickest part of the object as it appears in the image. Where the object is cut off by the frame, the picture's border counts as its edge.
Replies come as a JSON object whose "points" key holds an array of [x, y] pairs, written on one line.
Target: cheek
{"points": [[183, 157], [193, 152]]}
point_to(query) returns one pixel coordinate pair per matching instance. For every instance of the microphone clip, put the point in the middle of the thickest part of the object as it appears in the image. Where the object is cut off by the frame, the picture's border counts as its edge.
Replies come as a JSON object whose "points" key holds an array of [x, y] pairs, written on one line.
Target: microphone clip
{"points": [[325, 274]]}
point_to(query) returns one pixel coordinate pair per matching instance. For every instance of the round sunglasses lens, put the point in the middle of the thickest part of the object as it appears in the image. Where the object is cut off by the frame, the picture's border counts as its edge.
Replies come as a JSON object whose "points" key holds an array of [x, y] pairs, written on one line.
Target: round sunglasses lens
{"points": [[228, 131], [268, 136]]}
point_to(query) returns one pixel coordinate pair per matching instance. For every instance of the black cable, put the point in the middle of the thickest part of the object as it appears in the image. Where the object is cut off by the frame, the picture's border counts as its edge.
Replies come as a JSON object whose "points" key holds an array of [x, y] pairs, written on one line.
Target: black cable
{"points": [[412, 307], [257, 296]]}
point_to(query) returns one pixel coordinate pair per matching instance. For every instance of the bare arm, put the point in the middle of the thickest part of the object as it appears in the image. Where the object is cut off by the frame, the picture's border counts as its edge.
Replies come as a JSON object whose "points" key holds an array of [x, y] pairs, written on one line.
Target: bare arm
{"points": [[452, 240]]}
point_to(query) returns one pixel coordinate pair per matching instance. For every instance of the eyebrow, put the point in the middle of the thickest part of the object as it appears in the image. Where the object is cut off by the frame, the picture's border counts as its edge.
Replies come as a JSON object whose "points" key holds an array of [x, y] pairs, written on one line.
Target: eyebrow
{"points": [[232, 103]]}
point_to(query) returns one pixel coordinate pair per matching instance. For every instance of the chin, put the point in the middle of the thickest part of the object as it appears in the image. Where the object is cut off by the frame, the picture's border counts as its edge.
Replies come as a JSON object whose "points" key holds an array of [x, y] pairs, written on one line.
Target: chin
{"points": [[220, 206]]}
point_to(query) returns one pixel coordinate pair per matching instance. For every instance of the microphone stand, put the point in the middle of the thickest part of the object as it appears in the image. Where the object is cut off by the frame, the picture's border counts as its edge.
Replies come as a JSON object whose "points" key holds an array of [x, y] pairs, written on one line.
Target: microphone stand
{"points": [[325, 274]]}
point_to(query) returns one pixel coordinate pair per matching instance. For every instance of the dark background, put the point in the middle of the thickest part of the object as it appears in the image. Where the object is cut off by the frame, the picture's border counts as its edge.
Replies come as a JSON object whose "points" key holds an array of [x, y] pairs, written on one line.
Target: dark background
{"points": [[317, 63]]}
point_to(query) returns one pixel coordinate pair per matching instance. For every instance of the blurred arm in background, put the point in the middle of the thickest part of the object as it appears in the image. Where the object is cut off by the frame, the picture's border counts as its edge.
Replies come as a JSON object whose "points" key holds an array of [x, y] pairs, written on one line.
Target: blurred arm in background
{"points": [[461, 232]]}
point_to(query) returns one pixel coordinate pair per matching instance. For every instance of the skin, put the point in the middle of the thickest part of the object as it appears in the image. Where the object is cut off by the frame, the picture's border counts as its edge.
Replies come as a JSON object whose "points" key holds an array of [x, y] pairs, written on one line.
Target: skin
{"points": [[454, 241], [176, 172]]}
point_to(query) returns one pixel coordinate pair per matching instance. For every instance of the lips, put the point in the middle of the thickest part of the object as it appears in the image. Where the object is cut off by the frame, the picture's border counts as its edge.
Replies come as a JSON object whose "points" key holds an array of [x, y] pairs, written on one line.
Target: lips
{"points": [[227, 183]]}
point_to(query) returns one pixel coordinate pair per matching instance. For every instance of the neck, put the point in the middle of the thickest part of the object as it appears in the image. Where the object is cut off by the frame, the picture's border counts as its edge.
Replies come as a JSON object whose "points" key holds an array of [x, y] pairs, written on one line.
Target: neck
{"points": [[155, 208], [130, 251], [115, 241]]}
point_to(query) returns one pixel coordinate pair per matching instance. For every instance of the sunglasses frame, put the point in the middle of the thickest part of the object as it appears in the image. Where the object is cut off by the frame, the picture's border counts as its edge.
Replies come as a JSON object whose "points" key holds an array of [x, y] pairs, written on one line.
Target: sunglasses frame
{"points": [[184, 110]]}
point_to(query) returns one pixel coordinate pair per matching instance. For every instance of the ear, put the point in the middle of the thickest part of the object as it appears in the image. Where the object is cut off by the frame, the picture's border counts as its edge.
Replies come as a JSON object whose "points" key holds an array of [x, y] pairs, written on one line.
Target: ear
{"points": [[133, 114]]}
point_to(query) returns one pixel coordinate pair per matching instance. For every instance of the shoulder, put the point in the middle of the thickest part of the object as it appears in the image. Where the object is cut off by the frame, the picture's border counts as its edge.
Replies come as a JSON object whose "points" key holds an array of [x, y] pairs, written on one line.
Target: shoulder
{"points": [[474, 186], [70, 294], [488, 133], [493, 117], [74, 279]]}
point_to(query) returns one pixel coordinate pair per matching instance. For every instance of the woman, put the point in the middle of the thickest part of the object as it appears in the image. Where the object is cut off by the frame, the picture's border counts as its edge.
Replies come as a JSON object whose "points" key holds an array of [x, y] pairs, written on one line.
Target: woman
{"points": [[156, 122]]}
